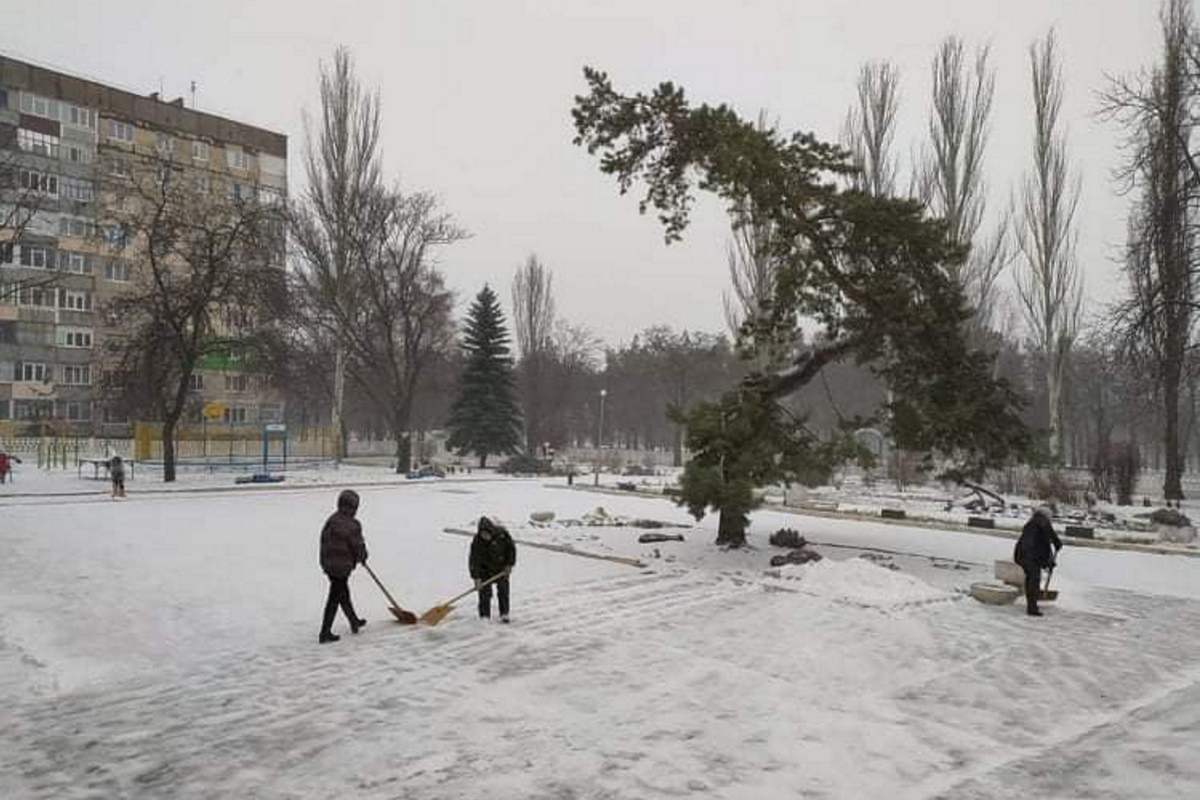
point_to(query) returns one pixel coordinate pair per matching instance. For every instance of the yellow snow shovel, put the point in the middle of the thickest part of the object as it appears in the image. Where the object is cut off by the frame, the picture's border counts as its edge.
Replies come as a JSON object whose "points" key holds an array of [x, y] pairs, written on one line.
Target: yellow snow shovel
{"points": [[436, 614], [402, 616]]}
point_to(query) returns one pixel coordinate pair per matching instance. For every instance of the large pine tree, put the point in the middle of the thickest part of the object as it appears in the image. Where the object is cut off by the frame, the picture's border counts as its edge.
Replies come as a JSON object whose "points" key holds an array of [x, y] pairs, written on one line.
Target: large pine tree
{"points": [[485, 417]]}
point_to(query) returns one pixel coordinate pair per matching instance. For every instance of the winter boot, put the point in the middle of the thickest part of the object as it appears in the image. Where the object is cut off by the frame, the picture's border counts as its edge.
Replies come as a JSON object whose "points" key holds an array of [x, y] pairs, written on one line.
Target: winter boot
{"points": [[325, 638], [356, 624]]}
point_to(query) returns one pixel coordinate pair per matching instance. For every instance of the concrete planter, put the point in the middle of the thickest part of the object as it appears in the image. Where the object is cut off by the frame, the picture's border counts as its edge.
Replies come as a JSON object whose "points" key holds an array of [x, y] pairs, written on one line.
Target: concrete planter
{"points": [[1010, 572], [994, 594], [1080, 532], [981, 522]]}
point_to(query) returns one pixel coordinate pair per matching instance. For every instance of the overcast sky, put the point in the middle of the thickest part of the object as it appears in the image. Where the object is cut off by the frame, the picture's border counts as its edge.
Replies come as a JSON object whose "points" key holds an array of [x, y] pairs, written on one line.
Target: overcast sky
{"points": [[476, 107]]}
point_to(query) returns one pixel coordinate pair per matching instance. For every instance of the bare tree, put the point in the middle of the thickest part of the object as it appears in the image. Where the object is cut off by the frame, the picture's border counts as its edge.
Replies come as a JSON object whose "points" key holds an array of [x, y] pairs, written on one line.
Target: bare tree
{"points": [[394, 318], [870, 128], [1049, 284], [342, 165], [1158, 110], [950, 179], [533, 320], [206, 278]]}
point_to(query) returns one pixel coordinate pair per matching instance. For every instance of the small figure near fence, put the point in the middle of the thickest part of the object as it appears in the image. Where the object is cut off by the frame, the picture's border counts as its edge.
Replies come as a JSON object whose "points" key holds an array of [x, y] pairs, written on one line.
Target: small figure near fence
{"points": [[116, 471], [6, 465]]}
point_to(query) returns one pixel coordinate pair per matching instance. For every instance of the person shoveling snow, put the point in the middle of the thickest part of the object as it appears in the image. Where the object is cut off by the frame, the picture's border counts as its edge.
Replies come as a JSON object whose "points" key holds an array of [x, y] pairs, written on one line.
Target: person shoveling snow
{"points": [[1033, 553], [342, 547]]}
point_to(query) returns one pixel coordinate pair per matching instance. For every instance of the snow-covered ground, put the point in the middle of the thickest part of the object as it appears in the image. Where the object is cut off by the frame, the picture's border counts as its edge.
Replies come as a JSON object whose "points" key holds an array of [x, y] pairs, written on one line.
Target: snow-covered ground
{"points": [[165, 646]]}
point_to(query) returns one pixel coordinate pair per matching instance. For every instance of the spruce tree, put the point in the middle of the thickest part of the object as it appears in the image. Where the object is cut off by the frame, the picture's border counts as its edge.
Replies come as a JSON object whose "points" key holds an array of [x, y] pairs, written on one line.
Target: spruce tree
{"points": [[484, 418]]}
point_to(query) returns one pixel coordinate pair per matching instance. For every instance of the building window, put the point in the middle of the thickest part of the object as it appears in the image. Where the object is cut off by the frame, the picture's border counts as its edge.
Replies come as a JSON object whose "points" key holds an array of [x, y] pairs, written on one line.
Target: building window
{"points": [[195, 382], [32, 372], [73, 300], [79, 190], [39, 182], [240, 191], [75, 337], [69, 261], [117, 236], [6, 252], [36, 257], [77, 374], [81, 118], [200, 151], [42, 144], [73, 226], [119, 168], [79, 154], [120, 131], [39, 106], [233, 415], [163, 144], [3, 99], [237, 158], [236, 383], [116, 271]]}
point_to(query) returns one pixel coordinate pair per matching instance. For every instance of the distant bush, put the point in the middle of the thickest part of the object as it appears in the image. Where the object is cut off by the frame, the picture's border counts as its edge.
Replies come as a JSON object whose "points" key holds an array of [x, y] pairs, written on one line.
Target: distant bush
{"points": [[1054, 487], [787, 537], [524, 464], [1170, 516]]}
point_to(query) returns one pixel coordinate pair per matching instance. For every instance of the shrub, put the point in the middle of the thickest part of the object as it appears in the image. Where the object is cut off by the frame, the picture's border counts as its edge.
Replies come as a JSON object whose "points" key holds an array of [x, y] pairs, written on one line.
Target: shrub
{"points": [[1169, 516], [1054, 487], [524, 464], [787, 537]]}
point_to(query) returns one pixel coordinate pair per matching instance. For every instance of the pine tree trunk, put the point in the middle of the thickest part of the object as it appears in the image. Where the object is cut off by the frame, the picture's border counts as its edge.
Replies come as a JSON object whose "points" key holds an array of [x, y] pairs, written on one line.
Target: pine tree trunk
{"points": [[731, 529]]}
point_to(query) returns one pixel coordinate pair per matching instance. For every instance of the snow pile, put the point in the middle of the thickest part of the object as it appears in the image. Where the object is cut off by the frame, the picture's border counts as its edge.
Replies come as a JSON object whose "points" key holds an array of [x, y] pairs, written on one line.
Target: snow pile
{"points": [[862, 583]]}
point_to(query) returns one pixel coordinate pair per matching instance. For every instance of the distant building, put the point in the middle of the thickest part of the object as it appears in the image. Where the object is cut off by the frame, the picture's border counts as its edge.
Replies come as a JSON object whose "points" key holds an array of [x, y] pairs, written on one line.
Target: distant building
{"points": [[61, 139]]}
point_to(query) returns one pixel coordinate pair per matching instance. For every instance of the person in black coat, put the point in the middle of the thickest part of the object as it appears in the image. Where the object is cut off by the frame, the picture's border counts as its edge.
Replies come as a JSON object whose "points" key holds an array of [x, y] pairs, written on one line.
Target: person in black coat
{"points": [[1033, 552], [342, 547], [492, 552]]}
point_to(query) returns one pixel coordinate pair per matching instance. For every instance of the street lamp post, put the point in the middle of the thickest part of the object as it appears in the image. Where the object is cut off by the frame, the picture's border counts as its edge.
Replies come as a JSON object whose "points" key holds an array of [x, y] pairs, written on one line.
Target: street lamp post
{"points": [[600, 436]]}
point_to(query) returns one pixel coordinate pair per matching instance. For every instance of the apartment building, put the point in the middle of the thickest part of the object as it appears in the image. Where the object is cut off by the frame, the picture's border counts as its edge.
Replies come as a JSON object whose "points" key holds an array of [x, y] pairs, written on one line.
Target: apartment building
{"points": [[62, 138]]}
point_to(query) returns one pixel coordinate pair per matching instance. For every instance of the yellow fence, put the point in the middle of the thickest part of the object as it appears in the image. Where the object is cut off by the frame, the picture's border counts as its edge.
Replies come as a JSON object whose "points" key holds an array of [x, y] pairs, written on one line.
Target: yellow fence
{"points": [[235, 441]]}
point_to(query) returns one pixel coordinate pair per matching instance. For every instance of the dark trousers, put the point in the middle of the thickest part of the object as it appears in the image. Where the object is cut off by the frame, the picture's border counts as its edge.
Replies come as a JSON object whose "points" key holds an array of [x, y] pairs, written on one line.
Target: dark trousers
{"points": [[485, 598], [1033, 586], [339, 595]]}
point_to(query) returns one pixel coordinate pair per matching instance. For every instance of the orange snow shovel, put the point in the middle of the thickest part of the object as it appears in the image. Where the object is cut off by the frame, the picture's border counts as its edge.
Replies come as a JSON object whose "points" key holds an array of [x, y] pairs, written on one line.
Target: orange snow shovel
{"points": [[402, 616], [436, 614]]}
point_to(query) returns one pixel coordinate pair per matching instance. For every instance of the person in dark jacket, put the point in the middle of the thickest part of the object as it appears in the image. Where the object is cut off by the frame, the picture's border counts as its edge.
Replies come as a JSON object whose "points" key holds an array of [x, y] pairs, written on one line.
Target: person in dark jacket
{"points": [[1033, 552], [342, 547], [116, 471], [492, 553]]}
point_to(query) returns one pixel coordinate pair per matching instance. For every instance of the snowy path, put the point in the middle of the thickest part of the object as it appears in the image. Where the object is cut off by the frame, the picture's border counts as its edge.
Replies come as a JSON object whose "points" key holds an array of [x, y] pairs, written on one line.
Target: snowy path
{"points": [[611, 690], [165, 649]]}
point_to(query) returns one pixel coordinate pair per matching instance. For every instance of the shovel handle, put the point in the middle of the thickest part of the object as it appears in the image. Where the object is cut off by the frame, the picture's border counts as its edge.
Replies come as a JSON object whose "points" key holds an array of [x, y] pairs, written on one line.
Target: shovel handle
{"points": [[382, 588], [492, 579]]}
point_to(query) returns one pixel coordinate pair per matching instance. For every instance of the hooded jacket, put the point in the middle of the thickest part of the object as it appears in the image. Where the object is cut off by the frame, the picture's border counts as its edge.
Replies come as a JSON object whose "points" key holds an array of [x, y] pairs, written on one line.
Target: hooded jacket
{"points": [[342, 544], [492, 550], [1033, 549]]}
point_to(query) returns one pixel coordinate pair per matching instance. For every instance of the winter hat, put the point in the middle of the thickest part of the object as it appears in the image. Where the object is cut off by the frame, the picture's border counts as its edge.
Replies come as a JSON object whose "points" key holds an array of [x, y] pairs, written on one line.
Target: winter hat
{"points": [[1043, 511], [485, 524], [348, 501]]}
